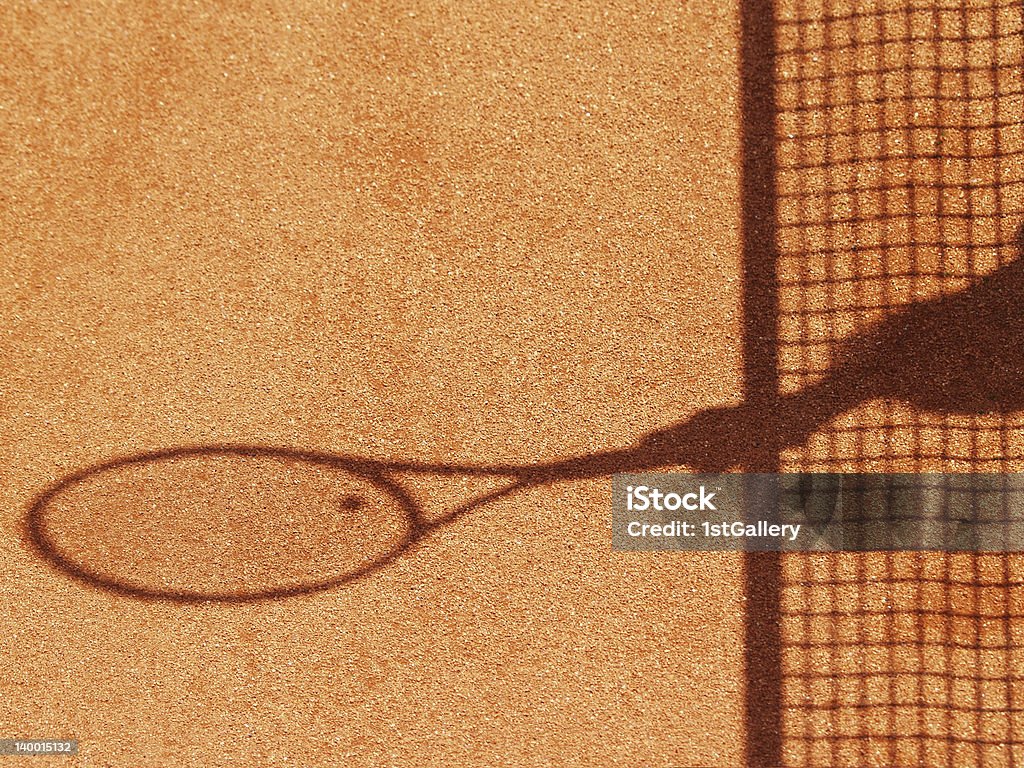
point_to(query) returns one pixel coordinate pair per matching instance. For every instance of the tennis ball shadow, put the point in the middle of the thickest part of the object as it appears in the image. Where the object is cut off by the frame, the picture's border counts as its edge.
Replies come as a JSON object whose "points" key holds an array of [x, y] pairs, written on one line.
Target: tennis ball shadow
{"points": [[228, 523]]}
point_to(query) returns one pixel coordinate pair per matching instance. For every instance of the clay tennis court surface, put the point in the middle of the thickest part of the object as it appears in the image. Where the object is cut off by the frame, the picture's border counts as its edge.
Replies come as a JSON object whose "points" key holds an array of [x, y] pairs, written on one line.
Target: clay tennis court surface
{"points": [[504, 234]]}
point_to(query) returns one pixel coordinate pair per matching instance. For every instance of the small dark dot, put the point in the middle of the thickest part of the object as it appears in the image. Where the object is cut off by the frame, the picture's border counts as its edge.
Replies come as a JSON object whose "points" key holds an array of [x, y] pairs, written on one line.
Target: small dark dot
{"points": [[351, 503]]}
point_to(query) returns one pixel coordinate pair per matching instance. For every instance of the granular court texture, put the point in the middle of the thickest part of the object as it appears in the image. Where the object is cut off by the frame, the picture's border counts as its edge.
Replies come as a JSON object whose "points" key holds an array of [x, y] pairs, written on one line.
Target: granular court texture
{"points": [[448, 235], [412, 231]]}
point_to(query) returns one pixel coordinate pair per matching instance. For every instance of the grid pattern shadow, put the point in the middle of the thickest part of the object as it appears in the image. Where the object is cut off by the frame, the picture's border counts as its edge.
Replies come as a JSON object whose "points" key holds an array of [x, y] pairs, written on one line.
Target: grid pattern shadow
{"points": [[899, 178]]}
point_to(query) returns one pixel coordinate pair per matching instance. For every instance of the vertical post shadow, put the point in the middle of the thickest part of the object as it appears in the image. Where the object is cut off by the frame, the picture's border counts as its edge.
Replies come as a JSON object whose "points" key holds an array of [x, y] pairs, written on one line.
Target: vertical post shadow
{"points": [[762, 570]]}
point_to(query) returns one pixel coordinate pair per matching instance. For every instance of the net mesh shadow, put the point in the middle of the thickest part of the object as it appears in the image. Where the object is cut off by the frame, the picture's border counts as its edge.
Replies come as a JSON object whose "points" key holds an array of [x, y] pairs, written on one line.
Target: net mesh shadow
{"points": [[899, 151]]}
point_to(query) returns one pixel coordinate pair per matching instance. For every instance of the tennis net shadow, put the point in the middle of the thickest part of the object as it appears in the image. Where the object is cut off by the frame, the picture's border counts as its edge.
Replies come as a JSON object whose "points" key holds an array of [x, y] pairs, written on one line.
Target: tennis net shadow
{"points": [[883, 171]]}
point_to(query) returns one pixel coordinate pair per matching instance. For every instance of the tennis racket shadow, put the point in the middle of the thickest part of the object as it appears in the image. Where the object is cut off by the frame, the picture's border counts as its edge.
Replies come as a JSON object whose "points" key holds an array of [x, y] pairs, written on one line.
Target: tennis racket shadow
{"points": [[237, 522], [242, 523]]}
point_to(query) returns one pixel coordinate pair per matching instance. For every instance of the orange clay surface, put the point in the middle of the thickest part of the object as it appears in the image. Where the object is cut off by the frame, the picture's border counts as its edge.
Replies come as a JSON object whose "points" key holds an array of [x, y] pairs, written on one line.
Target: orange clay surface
{"points": [[408, 231]]}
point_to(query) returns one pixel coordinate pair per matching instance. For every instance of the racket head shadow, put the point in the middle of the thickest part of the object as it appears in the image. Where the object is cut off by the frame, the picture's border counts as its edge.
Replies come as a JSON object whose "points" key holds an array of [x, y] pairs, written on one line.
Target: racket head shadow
{"points": [[228, 523]]}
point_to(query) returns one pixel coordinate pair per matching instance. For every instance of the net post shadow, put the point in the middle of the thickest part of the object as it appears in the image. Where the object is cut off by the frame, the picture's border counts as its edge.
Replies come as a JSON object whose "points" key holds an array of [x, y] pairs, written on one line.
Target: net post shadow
{"points": [[762, 570]]}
